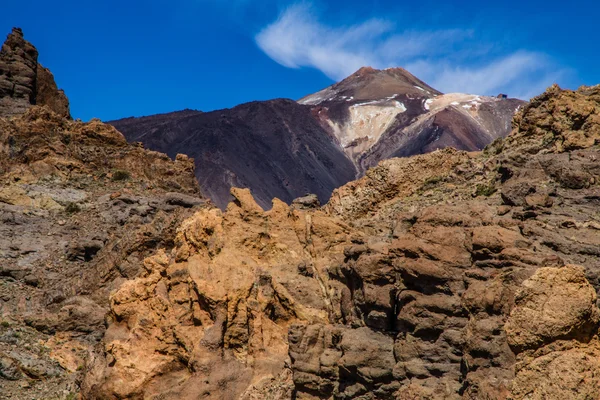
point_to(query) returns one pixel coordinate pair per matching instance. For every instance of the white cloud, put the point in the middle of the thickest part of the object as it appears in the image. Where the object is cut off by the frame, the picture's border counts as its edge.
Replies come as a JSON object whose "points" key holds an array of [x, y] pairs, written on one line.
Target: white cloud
{"points": [[449, 60], [296, 40]]}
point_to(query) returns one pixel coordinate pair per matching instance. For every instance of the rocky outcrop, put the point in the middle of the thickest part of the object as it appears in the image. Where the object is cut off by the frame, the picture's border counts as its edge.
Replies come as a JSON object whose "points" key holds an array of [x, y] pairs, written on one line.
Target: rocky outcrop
{"points": [[80, 209], [447, 275], [212, 318], [558, 121], [49, 95], [392, 179], [24, 82], [554, 304]]}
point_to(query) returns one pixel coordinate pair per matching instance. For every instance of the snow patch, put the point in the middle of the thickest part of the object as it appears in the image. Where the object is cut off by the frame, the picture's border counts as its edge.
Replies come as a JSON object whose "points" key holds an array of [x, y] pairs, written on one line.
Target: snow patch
{"points": [[368, 121], [366, 103], [400, 105]]}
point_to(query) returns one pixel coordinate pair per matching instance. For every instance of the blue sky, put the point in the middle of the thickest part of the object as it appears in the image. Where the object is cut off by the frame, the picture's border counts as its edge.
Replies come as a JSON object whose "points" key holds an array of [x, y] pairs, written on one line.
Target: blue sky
{"points": [[130, 58]]}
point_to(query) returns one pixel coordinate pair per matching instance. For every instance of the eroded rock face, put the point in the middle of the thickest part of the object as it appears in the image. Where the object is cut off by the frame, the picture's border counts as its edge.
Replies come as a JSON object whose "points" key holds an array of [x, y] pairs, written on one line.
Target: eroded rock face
{"points": [[219, 308], [558, 121], [553, 304], [49, 95], [24, 82], [440, 276], [80, 209]]}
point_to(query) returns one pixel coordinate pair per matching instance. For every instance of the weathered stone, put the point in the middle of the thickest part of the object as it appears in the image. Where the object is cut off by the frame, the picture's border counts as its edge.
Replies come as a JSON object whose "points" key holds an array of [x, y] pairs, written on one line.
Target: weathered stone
{"points": [[306, 202], [556, 303], [24, 82]]}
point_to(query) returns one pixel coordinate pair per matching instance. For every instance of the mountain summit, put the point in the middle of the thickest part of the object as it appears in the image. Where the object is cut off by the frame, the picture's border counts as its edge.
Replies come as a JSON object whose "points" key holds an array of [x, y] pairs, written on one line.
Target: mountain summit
{"points": [[378, 114], [285, 149], [372, 84]]}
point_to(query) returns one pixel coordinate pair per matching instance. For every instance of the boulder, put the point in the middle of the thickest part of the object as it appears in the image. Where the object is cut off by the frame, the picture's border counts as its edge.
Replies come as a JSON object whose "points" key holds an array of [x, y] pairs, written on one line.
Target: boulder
{"points": [[554, 304]]}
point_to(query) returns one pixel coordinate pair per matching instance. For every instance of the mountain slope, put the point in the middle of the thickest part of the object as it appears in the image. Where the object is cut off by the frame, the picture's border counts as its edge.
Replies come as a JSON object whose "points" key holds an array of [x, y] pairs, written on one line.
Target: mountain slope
{"points": [[378, 114], [274, 147], [285, 149]]}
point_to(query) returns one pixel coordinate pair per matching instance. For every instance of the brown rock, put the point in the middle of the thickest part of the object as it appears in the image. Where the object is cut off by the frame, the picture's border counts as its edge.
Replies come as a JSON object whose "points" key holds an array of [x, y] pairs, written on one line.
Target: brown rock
{"points": [[554, 304], [49, 95], [561, 370], [227, 298], [18, 63], [554, 325], [66, 244], [24, 82], [558, 121], [395, 178]]}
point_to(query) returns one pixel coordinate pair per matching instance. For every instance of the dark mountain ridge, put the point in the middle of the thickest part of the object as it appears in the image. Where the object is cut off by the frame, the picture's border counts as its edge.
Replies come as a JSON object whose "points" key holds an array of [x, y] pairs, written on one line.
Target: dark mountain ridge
{"points": [[274, 146]]}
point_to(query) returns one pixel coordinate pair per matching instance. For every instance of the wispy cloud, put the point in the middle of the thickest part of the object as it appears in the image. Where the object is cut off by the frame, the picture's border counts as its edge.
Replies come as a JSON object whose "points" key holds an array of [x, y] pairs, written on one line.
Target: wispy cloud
{"points": [[451, 60]]}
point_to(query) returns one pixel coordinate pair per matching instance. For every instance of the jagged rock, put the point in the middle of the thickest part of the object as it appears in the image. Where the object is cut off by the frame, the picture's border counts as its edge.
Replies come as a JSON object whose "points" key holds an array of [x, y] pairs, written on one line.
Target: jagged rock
{"points": [[341, 362], [18, 63], [561, 370], [228, 297], [558, 121], [306, 202], [24, 82], [399, 177], [65, 244], [48, 94]]}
